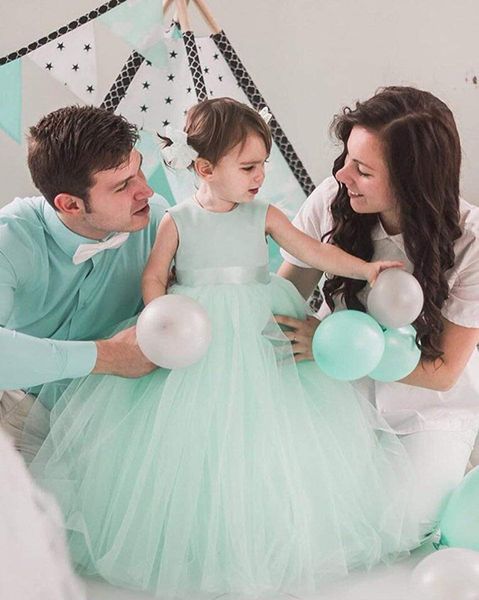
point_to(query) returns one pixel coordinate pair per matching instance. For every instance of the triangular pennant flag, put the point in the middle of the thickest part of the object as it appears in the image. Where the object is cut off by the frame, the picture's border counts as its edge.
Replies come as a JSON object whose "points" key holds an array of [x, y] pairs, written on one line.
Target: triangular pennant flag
{"points": [[179, 183], [156, 54], [11, 99], [152, 165], [140, 24], [159, 182], [71, 59], [156, 97]]}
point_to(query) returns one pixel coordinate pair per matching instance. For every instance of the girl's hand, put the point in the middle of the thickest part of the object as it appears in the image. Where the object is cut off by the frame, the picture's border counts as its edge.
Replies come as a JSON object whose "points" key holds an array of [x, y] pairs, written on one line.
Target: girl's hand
{"points": [[373, 269], [300, 335]]}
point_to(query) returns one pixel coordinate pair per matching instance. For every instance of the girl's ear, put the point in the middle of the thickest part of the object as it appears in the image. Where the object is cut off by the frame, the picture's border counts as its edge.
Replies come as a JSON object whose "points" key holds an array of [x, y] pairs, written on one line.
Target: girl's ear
{"points": [[203, 168]]}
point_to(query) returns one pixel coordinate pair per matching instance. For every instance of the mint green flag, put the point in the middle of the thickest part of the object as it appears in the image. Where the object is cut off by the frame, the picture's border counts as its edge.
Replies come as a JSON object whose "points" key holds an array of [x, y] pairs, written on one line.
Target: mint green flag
{"points": [[152, 165], [160, 185], [140, 24], [11, 99]]}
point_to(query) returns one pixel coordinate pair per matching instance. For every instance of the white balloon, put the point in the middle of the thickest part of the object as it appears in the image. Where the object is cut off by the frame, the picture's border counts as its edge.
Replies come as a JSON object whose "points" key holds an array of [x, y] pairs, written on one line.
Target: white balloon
{"points": [[449, 574], [396, 298], [173, 331]]}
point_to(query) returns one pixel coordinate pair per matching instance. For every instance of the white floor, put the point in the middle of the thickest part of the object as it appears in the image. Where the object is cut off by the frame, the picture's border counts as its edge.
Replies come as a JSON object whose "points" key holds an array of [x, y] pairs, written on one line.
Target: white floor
{"points": [[381, 583]]}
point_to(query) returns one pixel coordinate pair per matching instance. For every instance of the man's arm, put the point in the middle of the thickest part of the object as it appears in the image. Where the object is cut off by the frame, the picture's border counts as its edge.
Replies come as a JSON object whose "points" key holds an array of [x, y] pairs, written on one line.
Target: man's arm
{"points": [[27, 361]]}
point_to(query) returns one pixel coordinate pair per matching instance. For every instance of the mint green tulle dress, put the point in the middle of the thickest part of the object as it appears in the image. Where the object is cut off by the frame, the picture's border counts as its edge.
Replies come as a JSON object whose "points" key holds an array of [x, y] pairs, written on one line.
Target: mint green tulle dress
{"points": [[243, 474]]}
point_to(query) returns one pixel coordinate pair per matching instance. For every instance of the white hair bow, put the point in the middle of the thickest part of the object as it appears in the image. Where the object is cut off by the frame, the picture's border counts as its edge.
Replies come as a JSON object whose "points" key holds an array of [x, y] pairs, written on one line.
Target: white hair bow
{"points": [[265, 114], [178, 155]]}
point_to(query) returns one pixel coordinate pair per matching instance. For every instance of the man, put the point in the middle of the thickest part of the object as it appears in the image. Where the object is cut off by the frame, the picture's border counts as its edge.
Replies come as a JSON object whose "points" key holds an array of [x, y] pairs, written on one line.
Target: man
{"points": [[71, 261]]}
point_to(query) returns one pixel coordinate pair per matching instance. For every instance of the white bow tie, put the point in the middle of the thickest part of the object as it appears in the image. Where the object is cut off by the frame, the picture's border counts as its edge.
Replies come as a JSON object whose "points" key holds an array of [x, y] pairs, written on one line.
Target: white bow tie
{"points": [[86, 251]]}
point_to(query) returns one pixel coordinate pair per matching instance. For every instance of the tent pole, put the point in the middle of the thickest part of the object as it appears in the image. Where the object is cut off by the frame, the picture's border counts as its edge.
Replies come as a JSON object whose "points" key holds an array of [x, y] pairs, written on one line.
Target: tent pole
{"points": [[182, 10], [166, 5], [207, 15]]}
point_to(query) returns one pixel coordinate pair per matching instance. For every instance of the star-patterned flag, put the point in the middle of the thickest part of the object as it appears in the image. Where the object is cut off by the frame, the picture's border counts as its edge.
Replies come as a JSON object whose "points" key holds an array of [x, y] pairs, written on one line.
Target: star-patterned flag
{"points": [[71, 59]]}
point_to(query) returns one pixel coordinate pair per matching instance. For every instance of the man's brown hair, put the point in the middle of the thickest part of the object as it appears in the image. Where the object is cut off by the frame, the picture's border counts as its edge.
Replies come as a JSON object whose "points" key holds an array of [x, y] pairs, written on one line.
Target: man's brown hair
{"points": [[69, 145]]}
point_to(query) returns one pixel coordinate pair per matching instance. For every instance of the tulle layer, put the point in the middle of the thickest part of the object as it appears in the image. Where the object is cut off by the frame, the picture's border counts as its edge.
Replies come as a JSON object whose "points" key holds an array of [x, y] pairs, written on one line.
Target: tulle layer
{"points": [[243, 473]]}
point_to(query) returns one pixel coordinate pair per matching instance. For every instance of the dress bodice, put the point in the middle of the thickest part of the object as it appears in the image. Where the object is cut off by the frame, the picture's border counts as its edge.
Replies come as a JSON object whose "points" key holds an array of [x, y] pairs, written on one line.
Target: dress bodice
{"points": [[221, 247]]}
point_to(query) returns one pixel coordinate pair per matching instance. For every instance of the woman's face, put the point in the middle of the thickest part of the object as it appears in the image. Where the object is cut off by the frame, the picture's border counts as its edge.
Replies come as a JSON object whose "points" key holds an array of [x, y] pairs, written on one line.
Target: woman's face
{"points": [[366, 178]]}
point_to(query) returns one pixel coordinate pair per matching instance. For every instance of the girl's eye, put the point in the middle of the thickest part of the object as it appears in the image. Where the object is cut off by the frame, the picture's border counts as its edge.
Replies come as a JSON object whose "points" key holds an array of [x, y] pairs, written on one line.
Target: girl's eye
{"points": [[247, 168]]}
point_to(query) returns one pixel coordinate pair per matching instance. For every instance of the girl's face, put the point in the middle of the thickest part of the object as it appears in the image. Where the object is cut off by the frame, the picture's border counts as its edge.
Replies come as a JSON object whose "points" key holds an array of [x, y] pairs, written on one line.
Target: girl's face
{"points": [[238, 176], [366, 178]]}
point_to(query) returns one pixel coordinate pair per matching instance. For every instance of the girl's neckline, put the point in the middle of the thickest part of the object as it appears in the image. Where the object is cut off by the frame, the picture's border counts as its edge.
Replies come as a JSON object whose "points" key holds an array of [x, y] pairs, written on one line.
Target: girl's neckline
{"points": [[215, 212]]}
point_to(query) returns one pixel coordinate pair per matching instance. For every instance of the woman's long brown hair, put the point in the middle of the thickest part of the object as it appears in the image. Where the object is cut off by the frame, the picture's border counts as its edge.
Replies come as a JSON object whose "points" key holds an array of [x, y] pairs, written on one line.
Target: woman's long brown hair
{"points": [[423, 156]]}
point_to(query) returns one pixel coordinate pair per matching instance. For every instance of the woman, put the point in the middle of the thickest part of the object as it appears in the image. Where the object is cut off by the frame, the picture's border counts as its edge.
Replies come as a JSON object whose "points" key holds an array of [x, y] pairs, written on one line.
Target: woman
{"points": [[394, 194]]}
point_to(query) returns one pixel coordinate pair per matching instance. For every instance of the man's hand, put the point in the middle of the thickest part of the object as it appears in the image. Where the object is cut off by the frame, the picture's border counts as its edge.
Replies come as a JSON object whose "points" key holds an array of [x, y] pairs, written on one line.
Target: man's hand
{"points": [[120, 355], [300, 335]]}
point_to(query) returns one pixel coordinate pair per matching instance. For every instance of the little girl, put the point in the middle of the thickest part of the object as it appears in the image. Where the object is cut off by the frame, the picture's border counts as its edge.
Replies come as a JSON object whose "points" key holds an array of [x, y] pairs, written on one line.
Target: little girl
{"points": [[243, 473]]}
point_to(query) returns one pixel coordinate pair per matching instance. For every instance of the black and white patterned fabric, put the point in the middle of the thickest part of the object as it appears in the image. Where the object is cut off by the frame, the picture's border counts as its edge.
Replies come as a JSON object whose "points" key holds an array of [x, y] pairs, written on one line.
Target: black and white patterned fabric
{"points": [[195, 65], [257, 101], [122, 82], [316, 300]]}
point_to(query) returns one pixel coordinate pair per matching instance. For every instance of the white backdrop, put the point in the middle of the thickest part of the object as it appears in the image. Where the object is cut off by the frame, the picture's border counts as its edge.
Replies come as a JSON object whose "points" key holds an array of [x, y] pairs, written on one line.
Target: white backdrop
{"points": [[307, 57]]}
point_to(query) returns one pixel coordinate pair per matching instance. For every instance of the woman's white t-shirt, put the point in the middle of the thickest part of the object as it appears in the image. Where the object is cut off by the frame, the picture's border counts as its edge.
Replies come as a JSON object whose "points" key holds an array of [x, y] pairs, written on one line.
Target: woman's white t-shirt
{"points": [[409, 408]]}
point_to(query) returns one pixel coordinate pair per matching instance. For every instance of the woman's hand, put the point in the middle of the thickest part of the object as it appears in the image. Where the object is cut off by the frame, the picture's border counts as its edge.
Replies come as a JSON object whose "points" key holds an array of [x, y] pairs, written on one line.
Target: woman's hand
{"points": [[300, 335], [373, 269]]}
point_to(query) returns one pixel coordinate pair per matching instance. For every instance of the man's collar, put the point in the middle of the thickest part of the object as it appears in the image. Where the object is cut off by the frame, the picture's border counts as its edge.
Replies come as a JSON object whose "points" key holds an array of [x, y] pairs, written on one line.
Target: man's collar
{"points": [[66, 239]]}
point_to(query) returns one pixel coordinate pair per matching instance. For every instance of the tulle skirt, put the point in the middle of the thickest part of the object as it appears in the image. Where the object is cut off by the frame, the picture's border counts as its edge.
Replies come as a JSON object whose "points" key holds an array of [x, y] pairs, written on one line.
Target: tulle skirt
{"points": [[244, 473]]}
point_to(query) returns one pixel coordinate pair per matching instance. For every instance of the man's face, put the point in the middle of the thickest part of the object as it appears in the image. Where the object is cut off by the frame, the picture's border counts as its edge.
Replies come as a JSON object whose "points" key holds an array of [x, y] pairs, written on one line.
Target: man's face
{"points": [[118, 201]]}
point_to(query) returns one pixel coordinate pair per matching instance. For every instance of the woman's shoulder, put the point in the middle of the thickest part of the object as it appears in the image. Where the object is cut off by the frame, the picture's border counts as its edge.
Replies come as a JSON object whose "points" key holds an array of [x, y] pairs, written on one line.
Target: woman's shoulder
{"points": [[469, 216], [469, 223], [322, 197], [461, 306], [314, 217]]}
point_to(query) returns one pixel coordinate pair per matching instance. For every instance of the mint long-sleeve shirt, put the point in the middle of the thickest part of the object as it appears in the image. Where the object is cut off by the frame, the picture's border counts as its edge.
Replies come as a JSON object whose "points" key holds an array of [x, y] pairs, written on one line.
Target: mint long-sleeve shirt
{"points": [[51, 309]]}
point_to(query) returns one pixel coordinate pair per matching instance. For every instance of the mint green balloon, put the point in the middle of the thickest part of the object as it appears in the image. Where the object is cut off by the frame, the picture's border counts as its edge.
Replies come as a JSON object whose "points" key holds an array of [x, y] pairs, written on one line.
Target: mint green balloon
{"points": [[401, 355], [459, 522], [348, 344]]}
